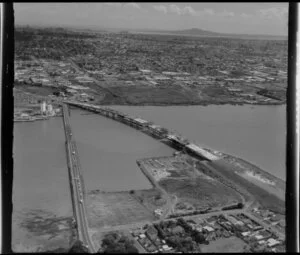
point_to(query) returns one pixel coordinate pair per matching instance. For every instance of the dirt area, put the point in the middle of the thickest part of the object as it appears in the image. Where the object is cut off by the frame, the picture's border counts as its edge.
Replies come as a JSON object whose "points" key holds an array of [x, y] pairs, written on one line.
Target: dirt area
{"points": [[152, 198], [270, 188], [225, 245], [171, 167], [199, 193], [191, 189], [260, 194], [107, 209], [40, 231], [242, 166]]}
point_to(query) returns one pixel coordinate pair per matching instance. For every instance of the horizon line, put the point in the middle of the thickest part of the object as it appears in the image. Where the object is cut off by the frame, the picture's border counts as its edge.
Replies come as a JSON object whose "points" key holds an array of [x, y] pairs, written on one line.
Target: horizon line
{"points": [[95, 27]]}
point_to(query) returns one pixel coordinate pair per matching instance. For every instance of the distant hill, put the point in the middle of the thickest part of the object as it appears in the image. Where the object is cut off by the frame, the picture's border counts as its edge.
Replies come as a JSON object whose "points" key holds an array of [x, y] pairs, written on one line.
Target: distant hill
{"points": [[201, 32], [194, 31]]}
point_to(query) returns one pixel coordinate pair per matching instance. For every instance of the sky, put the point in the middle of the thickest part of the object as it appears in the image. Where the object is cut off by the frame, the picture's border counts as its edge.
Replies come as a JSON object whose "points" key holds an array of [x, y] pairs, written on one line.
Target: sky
{"points": [[240, 18]]}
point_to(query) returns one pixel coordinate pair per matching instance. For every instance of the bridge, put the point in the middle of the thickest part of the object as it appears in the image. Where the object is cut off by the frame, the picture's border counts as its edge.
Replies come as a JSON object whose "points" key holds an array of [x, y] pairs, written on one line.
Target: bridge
{"points": [[76, 184], [163, 135]]}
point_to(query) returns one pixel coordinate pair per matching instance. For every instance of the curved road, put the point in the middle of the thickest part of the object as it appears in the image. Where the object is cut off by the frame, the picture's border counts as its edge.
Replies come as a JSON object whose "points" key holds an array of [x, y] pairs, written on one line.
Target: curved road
{"points": [[78, 186]]}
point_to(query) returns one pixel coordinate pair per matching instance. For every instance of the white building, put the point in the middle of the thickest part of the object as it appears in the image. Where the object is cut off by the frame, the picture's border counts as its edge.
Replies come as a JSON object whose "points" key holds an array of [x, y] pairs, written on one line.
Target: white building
{"points": [[50, 110], [272, 242], [43, 107]]}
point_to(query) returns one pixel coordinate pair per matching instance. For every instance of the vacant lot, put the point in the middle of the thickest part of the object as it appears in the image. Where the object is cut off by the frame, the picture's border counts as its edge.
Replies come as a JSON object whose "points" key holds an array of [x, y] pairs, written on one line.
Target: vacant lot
{"points": [[228, 245], [199, 192], [114, 208], [263, 196], [152, 198]]}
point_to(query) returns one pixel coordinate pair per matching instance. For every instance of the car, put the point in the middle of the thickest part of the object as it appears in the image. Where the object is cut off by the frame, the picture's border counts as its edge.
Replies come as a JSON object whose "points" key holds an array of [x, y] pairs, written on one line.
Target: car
{"points": [[73, 152], [80, 200]]}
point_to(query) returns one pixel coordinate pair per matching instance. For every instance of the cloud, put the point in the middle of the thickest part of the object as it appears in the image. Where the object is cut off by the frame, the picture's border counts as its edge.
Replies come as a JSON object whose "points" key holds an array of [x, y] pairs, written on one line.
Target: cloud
{"points": [[117, 5], [274, 12], [226, 13], [245, 15], [209, 11], [188, 10], [173, 8], [160, 8], [133, 5]]}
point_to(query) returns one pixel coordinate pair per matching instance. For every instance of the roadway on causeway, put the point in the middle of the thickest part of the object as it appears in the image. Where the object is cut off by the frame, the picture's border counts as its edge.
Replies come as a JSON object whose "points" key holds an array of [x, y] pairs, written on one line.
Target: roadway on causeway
{"points": [[78, 187]]}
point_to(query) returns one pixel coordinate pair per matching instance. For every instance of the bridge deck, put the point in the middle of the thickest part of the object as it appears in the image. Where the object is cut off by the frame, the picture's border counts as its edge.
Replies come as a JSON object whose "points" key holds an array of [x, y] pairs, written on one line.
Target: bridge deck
{"points": [[76, 183]]}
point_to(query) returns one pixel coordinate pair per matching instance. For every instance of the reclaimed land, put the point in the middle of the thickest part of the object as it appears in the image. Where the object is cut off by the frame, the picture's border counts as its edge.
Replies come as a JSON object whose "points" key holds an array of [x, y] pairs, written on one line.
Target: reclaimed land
{"points": [[107, 209], [266, 199], [192, 190], [199, 194]]}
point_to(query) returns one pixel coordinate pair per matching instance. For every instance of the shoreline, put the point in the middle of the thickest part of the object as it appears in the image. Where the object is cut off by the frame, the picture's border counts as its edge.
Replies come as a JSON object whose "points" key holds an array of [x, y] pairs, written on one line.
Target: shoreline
{"points": [[191, 104], [250, 169]]}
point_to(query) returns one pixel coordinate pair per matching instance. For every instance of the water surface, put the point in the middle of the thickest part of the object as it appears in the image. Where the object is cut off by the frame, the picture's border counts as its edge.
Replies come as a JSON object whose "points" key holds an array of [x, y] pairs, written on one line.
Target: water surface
{"points": [[40, 184], [108, 152], [254, 133]]}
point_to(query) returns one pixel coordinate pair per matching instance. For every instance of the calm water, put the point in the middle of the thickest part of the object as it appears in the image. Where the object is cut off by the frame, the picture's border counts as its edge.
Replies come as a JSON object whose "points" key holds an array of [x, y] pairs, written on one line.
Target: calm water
{"points": [[40, 185], [108, 152], [40, 170], [254, 133]]}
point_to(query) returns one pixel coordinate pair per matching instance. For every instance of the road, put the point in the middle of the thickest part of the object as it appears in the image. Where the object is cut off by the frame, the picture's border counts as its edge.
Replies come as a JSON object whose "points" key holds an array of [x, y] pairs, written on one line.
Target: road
{"points": [[77, 184]]}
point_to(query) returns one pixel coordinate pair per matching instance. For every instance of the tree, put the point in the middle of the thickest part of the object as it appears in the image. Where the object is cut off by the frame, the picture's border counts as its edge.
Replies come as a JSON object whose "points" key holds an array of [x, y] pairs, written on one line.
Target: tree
{"points": [[199, 238], [240, 205], [113, 243], [78, 247]]}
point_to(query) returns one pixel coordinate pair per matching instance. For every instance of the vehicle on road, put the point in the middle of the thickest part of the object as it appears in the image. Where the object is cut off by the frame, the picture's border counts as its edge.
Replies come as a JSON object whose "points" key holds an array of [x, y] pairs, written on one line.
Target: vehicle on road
{"points": [[73, 152]]}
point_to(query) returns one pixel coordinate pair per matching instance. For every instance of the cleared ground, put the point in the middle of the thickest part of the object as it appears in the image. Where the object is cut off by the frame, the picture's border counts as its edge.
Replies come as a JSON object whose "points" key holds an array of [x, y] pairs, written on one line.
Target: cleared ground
{"points": [[152, 198], [199, 193], [225, 245], [191, 189], [264, 197], [114, 208]]}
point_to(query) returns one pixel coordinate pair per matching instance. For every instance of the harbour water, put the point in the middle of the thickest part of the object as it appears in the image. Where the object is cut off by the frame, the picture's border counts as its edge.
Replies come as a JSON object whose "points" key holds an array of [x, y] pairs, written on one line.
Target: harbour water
{"points": [[40, 185], [254, 133], [108, 150]]}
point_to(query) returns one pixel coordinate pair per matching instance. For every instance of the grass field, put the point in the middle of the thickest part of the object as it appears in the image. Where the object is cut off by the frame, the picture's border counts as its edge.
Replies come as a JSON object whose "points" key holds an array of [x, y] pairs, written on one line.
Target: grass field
{"points": [[225, 245], [151, 198], [150, 95], [115, 208]]}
